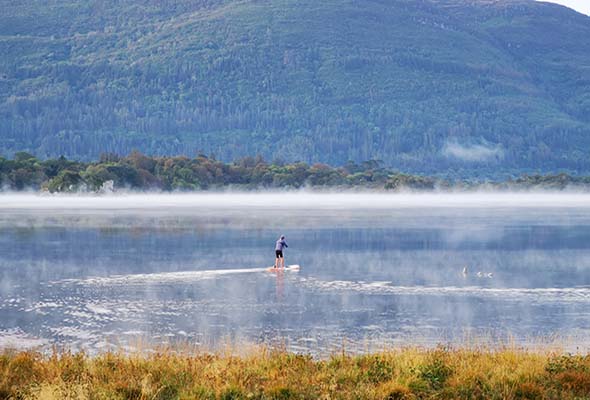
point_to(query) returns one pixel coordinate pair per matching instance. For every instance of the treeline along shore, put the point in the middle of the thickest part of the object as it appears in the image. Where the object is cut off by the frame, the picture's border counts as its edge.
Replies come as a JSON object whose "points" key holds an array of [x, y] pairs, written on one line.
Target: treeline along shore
{"points": [[137, 171], [265, 374]]}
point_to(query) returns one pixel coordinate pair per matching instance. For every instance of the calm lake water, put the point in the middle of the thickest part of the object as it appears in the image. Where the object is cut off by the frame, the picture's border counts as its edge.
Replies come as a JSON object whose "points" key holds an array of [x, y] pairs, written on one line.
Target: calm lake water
{"points": [[376, 270]]}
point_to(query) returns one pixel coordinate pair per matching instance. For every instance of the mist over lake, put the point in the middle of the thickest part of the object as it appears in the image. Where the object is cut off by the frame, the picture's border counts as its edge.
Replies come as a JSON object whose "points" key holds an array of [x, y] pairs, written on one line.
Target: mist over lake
{"points": [[376, 269]]}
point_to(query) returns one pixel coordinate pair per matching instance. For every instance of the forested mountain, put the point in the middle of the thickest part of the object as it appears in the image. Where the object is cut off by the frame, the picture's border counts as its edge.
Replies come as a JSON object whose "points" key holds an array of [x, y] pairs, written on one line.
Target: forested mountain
{"points": [[425, 86]]}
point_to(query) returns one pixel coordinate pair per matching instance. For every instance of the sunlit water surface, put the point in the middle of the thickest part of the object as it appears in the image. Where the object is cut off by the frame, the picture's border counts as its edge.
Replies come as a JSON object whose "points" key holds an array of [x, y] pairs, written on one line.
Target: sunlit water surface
{"points": [[376, 270]]}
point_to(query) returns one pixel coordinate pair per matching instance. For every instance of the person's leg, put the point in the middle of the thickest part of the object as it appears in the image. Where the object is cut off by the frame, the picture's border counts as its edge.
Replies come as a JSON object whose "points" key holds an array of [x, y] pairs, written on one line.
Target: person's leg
{"points": [[283, 262]]}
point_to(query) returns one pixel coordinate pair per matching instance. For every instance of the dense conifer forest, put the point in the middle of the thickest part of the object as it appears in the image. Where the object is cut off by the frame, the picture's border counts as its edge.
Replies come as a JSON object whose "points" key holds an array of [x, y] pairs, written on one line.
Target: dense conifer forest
{"points": [[423, 85]]}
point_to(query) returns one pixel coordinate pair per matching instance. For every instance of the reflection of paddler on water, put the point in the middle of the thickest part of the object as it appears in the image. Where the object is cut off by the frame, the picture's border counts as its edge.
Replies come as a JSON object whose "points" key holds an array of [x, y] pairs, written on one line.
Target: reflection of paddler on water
{"points": [[279, 258], [280, 286]]}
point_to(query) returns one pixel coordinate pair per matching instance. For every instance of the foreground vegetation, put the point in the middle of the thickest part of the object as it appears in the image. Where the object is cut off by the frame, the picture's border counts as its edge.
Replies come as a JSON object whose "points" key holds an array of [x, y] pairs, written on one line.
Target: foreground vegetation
{"points": [[139, 172], [266, 374]]}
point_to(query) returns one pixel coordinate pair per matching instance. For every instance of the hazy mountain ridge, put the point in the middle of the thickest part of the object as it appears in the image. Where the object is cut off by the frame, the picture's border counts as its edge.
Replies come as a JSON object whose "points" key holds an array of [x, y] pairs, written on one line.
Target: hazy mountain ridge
{"points": [[424, 86]]}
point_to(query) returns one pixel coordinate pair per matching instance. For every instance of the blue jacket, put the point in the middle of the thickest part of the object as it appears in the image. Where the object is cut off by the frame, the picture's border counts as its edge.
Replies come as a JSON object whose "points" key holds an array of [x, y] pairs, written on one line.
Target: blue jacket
{"points": [[280, 244]]}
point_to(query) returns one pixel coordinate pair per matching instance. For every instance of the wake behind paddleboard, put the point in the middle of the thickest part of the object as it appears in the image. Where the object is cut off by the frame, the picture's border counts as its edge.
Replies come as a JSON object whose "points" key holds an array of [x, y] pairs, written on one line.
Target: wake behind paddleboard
{"points": [[287, 268]]}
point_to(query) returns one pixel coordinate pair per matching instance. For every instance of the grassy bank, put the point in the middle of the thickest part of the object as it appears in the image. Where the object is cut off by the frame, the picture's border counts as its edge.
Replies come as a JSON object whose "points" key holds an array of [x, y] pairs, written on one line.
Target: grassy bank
{"points": [[266, 374]]}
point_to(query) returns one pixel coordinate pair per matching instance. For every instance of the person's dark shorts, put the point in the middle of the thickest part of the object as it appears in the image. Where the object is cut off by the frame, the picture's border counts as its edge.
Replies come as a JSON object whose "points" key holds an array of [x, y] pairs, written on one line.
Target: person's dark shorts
{"points": [[279, 253]]}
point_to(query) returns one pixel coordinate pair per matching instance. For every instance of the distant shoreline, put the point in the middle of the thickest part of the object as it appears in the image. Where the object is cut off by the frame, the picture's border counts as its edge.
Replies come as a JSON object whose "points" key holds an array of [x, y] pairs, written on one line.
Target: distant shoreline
{"points": [[137, 173]]}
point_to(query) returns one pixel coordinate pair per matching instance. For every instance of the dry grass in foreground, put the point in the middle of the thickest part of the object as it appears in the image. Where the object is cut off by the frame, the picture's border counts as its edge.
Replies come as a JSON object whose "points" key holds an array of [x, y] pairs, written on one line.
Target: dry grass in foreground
{"points": [[269, 374]]}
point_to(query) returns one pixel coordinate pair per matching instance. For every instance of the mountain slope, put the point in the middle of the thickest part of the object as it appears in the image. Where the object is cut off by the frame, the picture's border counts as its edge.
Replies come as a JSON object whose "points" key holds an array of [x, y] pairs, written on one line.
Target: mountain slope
{"points": [[421, 85]]}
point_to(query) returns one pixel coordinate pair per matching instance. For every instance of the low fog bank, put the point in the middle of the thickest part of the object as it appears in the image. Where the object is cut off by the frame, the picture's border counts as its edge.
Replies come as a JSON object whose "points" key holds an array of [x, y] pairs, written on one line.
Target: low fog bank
{"points": [[291, 201]]}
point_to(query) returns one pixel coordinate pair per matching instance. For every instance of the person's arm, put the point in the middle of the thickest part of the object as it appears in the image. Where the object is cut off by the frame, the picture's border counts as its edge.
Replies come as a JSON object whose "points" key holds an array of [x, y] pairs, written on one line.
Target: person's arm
{"points": [[285, 243]]}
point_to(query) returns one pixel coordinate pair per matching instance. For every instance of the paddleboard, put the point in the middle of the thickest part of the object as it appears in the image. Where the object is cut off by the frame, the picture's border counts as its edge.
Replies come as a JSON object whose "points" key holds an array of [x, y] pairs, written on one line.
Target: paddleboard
{"points": [[286, 269]]}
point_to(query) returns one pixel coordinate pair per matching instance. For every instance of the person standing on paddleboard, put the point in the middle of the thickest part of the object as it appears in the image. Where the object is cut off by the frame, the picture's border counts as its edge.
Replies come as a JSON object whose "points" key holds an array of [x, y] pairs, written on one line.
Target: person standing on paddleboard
{"points": [[279, 259]]}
